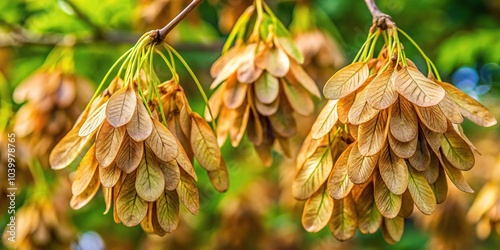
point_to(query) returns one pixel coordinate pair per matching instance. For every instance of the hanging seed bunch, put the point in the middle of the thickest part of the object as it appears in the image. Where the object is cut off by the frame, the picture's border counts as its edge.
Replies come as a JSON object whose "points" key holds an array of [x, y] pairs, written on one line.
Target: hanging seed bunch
{"points": [[140, 136], [321, 50], [53, 97], [407, 139], [448, 227], [230, 11], [261, 88], [41, 222], [485, 210]]}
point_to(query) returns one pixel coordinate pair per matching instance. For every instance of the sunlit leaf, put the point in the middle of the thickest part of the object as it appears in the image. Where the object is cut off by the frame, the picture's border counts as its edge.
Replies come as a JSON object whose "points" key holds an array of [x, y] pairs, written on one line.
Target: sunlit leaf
{"points": [[393, 171], [313, 173], [80, 200], [266, 88], [317, 210], [130, 154], [109, 176], [440, 187], [451, 110], [407, 205], [421, 159], [220, 177], [268, 109], [130, 207], [360, 168], [387, 203], [226, 62], [469, 107], [93, 121], [239, 125], [344, 219], [346, 80], [457, 151], [433, 118], [150, 181], [344, 105], [369, 218], [277, 62], [417, 88], [188, 193], [162, 142], [108, 142], [304, 79], [288, 45], [325, 121], [394, 227], [421, 192], [372, 135], [69, 148], [403, 149], [361, 111], [382, 90], [141, 125], [298, 98], [247, 72], [167, 210], [456, 177], [85, 172], [204, 143], [339, 184], [234, 93], [404, 122], [121, 107]]}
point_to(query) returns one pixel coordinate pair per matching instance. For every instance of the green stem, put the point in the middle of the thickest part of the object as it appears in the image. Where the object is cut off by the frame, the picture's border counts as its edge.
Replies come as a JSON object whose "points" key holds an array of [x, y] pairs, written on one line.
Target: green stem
{"points": [[433, 67], [198, 84], [99, 88], [363, 47], [36, 171]]}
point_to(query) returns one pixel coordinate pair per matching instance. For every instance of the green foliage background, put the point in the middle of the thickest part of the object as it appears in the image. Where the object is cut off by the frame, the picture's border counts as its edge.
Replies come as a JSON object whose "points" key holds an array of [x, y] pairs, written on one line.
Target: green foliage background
{"points": [[452, 33]]}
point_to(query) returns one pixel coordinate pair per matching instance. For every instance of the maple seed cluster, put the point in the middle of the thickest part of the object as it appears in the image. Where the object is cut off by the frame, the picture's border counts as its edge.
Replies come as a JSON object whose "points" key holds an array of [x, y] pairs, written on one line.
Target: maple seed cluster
{"points": [[141, 137], [40, 225], [262, 88], [407, 139], [53, 99]]}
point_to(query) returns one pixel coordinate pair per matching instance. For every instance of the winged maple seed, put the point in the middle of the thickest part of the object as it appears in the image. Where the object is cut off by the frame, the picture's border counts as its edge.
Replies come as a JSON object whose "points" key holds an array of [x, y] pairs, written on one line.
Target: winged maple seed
{"points": [[407, 139], [260, 86], [140, 137]]}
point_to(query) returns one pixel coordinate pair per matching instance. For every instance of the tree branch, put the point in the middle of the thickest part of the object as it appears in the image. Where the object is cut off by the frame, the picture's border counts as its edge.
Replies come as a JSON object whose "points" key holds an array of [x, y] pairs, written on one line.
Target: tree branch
{"points": [[380, 19], [163, 32], [21, 37]]}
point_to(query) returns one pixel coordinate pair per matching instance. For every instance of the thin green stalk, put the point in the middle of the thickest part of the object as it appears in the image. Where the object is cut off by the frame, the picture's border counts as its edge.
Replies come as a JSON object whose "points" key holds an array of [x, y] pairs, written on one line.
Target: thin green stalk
{"points": [[372, 47], [362, 49], [198, 84], [155, 86], [41, 185], [99, 88], [433, 67]]}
